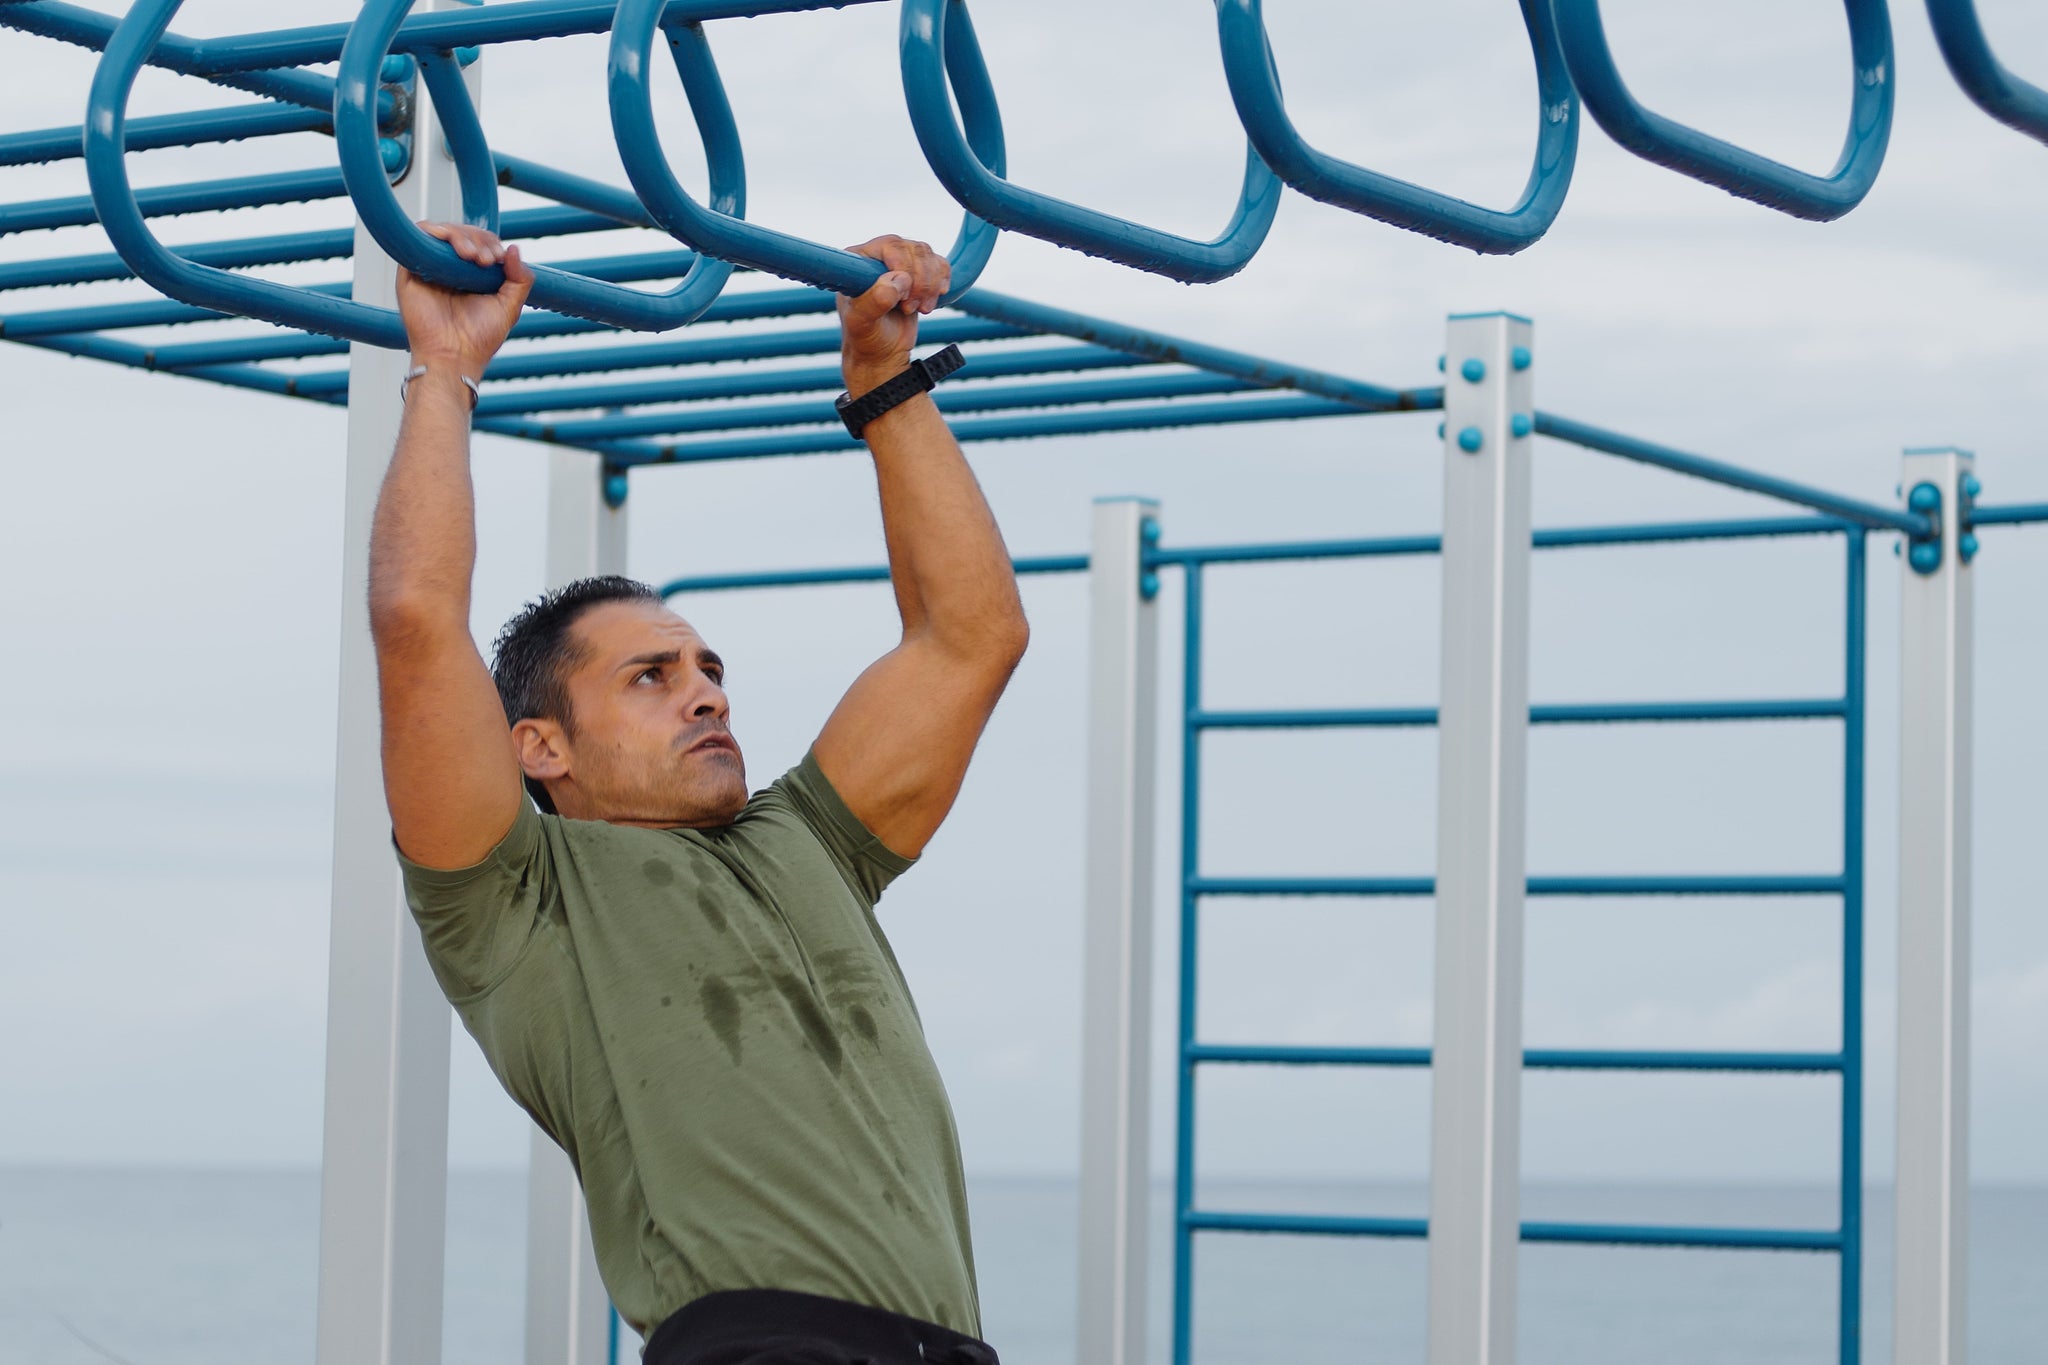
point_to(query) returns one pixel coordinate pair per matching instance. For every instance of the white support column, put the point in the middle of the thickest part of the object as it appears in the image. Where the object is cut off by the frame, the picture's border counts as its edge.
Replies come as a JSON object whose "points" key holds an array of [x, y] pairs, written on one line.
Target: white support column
{"points": [[1931, 1324], [384, 1159], [568, 1315], [1116, 1043], [1475, 1163]]}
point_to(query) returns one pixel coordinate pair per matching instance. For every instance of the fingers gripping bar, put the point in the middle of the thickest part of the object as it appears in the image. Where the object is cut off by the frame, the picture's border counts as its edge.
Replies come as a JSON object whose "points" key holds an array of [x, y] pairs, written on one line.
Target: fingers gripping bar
{"points": [[717, 229], [1743, 173], [2007, 98], [936, 35], [1254, 79], [560, 291]]}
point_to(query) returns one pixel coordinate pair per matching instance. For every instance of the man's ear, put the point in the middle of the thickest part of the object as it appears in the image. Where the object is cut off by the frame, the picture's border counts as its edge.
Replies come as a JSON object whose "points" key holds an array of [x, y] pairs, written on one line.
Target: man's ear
{"points": [[543, 749]]}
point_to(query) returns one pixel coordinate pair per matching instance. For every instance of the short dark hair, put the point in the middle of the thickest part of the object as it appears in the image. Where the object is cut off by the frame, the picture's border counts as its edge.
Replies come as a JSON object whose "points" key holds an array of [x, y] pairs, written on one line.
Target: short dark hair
{"points": [[534, 653]]}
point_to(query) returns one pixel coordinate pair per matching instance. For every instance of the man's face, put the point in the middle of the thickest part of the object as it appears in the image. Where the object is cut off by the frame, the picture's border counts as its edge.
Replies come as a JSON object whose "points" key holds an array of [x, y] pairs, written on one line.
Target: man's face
{"points": [[649, 742]]}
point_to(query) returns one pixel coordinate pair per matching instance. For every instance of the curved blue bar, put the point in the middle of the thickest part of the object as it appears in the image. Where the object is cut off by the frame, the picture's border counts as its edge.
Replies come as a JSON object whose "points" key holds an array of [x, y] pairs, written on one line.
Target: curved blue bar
{"points": [[1743, 173], [2012, 101], [204, 286], [1255, 87], [933, 35], [717, 229], [560, 291]]}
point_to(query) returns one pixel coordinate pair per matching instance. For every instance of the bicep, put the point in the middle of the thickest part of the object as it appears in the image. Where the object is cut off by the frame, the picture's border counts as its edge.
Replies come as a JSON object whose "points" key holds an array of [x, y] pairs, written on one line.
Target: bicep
{"points": [[897, 746], [451, 774]]}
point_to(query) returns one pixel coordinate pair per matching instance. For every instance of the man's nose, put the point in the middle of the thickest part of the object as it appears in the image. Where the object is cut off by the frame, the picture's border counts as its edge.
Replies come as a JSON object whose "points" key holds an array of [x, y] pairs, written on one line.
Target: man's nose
{"points": [[708, 700]]}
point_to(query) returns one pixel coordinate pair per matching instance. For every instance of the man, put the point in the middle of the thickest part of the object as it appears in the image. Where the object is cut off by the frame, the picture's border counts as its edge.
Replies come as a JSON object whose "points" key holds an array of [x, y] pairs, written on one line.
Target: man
{"points": [[687, 988]]}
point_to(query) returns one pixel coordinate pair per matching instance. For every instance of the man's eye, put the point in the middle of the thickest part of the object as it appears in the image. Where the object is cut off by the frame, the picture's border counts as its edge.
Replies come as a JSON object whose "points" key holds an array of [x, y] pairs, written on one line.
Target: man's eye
{"points": [[649, 673]]}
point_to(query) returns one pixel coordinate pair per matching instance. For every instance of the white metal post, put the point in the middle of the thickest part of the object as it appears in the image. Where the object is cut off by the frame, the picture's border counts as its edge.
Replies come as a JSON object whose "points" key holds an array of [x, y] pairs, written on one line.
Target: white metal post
{"points": [[1934, 924], [384, 1158], [568, 1316], [1116, 1042], [1475, 1141]]}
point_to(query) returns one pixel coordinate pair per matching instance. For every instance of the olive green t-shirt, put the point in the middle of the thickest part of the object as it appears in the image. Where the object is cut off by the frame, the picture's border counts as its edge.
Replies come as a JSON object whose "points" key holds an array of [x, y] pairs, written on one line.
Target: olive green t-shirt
{"points": [[712, 1025]]}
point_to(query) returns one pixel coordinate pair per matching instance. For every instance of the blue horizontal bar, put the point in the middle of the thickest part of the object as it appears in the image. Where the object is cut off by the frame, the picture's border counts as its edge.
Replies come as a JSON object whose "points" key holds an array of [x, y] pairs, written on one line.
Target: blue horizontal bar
{"points": [[165, 201], [1766, 885], [2016, 514], [822, 412], [169, 130], [988, 364], [1586, 1234], [1644, 452], [1180, 351], [1538, 1059], [1609, 713], [1259, 407], [867, 573], [1384, 547]]}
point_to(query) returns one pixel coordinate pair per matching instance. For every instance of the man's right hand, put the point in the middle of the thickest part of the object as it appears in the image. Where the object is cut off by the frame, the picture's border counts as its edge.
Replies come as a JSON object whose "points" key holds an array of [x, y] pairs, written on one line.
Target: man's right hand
{"points": [[449, 326]]}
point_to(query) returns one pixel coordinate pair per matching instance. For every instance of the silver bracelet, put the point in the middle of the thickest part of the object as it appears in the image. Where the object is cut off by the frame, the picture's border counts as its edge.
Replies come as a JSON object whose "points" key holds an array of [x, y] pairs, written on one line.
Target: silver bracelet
{"points": [[405, 385]]}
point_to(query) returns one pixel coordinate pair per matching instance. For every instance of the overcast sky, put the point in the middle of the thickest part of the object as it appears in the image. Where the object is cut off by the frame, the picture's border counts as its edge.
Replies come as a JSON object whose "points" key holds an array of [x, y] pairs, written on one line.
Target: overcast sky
{"points": [[175, 555]]}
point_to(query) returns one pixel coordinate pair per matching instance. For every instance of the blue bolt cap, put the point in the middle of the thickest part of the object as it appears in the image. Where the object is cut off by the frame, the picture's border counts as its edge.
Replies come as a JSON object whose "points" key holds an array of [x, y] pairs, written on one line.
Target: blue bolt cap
{"points": [[1439, 364], [1470, 440], [1971, 487], [1439, 431], [397, 66], [615, 488], [1474, 370], [1148, 531], [1925, 557], [467, 55], [1966, 546], [394, 154], [1520, 357], [1925, 497], [1148, 585], [1520, 425]]}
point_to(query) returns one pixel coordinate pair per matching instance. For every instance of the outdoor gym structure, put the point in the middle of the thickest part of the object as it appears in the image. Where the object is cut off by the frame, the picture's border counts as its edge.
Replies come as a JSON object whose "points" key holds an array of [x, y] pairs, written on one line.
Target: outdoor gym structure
{"points": [[408, 143]]}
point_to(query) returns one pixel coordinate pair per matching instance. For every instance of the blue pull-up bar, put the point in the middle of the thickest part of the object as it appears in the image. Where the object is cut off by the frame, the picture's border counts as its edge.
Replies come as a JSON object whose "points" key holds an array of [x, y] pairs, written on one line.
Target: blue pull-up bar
{"points": [[2007, 98], [561, 291], [932, 32], [718, 230], [1741, 172], [1254, 79]]}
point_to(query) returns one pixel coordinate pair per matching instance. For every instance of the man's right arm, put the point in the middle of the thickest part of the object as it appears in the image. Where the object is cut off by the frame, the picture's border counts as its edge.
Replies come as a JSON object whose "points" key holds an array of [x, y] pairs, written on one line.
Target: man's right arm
{"points": [[451, 774]]}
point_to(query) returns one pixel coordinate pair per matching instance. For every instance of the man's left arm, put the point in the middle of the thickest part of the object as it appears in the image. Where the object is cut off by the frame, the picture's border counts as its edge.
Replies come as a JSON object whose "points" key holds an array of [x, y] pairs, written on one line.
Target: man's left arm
{"points": [[896, 748]]}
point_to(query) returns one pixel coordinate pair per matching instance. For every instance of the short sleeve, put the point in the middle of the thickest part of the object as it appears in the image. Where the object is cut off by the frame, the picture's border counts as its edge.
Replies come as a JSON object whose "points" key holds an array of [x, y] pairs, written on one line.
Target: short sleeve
{"points": [[868, 863], [476, 921]]}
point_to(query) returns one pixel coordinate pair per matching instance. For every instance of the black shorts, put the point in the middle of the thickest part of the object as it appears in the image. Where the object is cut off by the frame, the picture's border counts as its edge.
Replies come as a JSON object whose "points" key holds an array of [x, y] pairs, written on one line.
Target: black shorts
{"points": [[775, 1327]]}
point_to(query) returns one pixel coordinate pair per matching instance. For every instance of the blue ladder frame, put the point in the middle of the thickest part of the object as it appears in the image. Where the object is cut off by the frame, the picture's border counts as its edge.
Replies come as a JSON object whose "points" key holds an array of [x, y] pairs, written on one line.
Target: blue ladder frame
{"points": [[1845, 1240]]}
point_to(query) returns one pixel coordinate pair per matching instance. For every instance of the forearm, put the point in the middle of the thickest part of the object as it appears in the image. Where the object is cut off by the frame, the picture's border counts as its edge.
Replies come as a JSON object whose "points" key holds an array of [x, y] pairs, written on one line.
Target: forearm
{"points": [[954, 581], [423, 537]]}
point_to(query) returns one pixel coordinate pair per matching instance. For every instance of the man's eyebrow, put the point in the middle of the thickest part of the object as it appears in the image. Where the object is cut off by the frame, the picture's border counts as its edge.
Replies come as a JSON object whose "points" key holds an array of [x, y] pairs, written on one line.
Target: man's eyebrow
{"points": [[709, 659], [667, 656]]}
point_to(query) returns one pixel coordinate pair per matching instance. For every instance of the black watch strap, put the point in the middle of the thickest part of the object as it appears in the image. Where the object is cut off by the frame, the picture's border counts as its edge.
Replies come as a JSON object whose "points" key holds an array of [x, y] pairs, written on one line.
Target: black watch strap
{"points": [[919, 378]]}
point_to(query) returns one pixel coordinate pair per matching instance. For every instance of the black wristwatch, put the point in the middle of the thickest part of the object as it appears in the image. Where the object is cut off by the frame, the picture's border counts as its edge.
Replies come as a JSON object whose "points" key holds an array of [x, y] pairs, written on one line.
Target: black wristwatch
{"points": [[919, 378]]}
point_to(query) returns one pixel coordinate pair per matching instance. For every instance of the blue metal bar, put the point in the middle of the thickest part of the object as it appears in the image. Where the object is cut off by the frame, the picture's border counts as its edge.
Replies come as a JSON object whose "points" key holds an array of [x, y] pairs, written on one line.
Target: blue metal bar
{"points": [[357, 143], [2017, 514], [717, 229], [1740, 172], [1588, 1234], [91, 29], [1151, 417], [1537, 1059], [169, 130], [1665, 533], [988, 398], [2016, 103], [1765, 885], [1174, 350], [1864, 514], [866, 573], [166, 201], [1576, 713], [1190, 928], [931, 39], [980, 365], [1854, 675], [1249, 66]]}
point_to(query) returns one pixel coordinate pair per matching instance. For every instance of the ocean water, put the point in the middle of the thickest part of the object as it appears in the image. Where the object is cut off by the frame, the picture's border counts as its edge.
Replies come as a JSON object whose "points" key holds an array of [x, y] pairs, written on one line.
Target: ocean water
{"points": [[216, 1268]]}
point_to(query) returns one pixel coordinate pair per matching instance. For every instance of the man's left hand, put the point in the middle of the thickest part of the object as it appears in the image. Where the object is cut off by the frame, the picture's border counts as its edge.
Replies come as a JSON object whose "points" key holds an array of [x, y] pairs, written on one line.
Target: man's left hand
{"points": [[878, 329]]}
